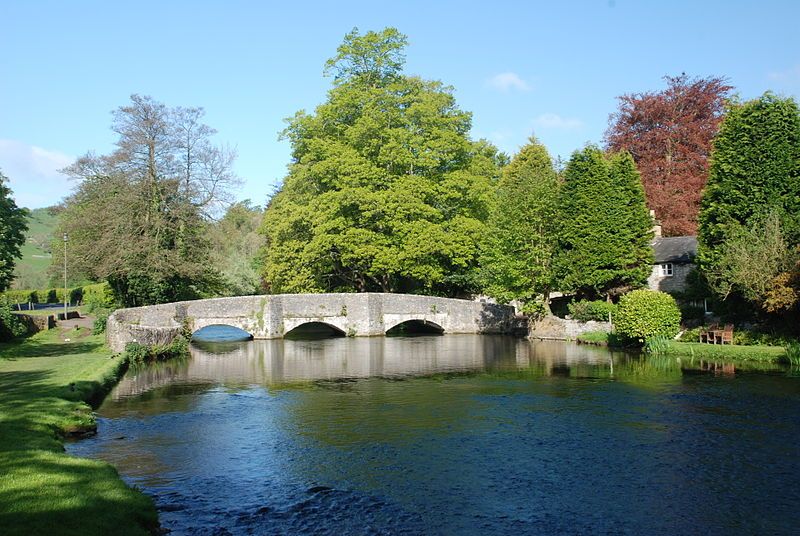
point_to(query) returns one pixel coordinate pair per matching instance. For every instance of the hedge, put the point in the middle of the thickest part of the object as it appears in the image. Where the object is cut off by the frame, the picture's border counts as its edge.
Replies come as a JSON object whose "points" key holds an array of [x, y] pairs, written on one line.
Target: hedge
{"points": [[585, 311]]}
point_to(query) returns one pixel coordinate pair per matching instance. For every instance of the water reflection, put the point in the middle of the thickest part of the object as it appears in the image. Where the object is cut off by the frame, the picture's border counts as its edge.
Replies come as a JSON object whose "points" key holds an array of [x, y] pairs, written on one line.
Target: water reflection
{"points": [[455, 435], [281, 361]]}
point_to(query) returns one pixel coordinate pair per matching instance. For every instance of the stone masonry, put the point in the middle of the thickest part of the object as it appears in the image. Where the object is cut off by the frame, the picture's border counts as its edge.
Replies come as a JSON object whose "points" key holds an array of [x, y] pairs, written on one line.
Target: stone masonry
{"points": [[271, 316]]}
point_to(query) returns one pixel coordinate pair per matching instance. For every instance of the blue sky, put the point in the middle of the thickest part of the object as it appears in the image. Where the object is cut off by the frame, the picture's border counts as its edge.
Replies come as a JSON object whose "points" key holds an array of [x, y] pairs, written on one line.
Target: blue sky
{"points": [[549, 68]]}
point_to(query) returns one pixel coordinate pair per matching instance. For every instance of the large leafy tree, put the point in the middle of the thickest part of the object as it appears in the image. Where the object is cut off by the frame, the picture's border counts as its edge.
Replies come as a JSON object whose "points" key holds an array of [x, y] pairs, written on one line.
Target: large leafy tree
{"points": [[13, 225], [235, 246], [669, 135], [751, 206], [138, 217], [605, 228], [386, 191], [517, 254]]}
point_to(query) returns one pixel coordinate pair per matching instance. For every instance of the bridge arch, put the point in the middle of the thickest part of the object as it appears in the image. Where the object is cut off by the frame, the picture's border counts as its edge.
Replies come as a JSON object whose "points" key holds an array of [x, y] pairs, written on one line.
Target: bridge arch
{"points": [[314, 329], [221, 333], [415, 326]]}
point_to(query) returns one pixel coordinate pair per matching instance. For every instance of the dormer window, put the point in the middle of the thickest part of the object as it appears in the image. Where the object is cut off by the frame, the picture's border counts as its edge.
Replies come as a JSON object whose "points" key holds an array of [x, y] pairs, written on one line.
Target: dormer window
{"points": [[666, 269]]}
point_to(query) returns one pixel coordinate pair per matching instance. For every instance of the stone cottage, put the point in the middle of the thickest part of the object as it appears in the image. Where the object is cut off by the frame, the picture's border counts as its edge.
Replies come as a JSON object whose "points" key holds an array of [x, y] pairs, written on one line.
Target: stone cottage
{"points": [[674, 259]]}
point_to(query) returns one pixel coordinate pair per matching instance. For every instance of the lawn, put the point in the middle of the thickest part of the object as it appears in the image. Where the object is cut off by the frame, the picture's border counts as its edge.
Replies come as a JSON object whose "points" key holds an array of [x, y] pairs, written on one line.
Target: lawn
{"points": [[767, 354], [45, 384], [772, 354]]}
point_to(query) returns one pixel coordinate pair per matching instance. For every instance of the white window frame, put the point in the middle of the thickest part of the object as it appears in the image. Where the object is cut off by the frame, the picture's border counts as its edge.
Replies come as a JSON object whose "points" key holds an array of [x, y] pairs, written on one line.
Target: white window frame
{"points": [[666, 269]]}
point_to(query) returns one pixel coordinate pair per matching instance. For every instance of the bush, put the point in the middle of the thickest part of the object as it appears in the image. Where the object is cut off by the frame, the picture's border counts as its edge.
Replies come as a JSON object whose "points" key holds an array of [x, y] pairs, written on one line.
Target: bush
{"points": [[98, 296], [136, 353], [691, 335], [746, 337], [643, 314], [76, 295], [100, 321], [22, 297], [534, 309], [585, 311], [11, 326], [48, 296], [139, 354]]}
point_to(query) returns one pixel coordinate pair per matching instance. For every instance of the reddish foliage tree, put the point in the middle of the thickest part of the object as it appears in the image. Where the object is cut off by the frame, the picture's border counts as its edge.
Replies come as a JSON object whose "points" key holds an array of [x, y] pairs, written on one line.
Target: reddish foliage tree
{"points": [[669, 134]]}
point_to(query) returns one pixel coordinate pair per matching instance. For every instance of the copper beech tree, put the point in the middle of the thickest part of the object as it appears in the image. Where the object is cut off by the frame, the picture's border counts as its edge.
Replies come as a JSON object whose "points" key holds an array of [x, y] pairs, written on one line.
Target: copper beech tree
{"points": [[669, 135]]}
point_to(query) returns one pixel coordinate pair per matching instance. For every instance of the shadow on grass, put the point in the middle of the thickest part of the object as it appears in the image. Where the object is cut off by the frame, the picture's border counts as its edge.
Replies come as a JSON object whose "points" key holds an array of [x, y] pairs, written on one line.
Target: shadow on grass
{"points": [[37, 348], [51, 493]]}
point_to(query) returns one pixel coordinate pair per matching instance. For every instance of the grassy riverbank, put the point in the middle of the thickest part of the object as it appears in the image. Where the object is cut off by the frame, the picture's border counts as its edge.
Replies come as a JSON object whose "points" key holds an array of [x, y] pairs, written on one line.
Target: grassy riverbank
{"points": [[765, 354], [45, 385]]}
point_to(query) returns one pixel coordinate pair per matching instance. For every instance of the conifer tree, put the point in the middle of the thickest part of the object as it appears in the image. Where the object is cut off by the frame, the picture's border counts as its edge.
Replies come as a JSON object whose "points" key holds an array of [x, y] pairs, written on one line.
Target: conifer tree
{"points": [[755, 171], [517, 255], [752, 203], [605, 227]]}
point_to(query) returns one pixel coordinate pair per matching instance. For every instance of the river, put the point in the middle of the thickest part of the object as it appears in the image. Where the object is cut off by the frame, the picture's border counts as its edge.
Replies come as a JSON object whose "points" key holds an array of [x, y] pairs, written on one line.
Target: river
{"points": [[455, 434]]}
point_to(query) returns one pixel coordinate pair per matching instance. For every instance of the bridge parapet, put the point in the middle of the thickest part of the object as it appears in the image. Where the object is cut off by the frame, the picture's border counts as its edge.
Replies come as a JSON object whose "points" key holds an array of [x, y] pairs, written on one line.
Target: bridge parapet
{"points": [[272, 316]]}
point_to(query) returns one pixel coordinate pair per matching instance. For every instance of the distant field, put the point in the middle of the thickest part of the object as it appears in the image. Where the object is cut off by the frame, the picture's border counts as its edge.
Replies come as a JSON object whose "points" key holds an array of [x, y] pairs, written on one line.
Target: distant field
{"points": [[31, 269]]}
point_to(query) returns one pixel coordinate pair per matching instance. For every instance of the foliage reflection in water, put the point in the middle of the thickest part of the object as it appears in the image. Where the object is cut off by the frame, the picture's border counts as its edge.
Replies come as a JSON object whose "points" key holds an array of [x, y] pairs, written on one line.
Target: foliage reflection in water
{"points": [[455, 434]]}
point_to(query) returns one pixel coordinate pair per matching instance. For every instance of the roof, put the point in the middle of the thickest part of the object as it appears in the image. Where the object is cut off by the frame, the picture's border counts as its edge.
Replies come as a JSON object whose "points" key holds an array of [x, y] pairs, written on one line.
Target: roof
{"points": [[679, 249]]}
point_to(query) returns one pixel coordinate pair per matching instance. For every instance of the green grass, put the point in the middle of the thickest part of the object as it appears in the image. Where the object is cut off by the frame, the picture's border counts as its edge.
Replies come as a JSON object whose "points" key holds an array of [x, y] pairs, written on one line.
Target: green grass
{"points": [[772, 354], [31, 270], [45, 384], [593, 337], [765, 354]]}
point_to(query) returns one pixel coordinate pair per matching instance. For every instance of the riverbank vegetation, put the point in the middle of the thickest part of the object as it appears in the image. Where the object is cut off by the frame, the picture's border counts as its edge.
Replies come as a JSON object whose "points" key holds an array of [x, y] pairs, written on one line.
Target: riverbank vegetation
{"points": [[46, 387]]}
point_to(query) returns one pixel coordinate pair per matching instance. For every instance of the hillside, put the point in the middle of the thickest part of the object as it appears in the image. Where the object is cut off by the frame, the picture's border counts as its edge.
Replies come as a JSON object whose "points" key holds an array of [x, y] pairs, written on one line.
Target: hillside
{"points": [[31, 269]]}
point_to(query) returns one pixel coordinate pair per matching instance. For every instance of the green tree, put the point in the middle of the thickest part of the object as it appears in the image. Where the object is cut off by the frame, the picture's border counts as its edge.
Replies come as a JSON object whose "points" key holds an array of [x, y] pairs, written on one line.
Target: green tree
{"points": [[138, 215], [755, 171], [757, 263], [386, 191], [517, 254], [235, 246], [13, 225], [604, 226]]}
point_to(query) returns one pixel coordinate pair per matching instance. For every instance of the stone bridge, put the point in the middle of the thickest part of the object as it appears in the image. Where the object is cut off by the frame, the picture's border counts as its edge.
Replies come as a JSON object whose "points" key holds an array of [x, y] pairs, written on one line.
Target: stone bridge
{"points": [[272, 316]]}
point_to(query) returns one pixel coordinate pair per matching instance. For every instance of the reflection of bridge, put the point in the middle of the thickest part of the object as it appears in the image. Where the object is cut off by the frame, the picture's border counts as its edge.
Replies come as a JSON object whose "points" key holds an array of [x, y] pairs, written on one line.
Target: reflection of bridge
{"points": [[271, 317]]}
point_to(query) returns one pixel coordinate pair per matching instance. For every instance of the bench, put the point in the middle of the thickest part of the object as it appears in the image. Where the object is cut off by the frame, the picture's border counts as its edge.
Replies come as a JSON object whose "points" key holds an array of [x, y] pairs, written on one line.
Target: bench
{"points": [[716, 335]]}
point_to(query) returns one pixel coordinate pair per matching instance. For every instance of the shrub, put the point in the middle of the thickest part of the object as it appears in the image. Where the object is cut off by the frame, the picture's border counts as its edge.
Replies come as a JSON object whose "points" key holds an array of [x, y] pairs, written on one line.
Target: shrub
{"points": [[691, 335], [136, 353], [643, 314], [10, 325], [76, 295], [48, 296], [139, 354], [22, 297], [98, 296], [100, 322], [748, 337], [534, 309], [585, 311]]}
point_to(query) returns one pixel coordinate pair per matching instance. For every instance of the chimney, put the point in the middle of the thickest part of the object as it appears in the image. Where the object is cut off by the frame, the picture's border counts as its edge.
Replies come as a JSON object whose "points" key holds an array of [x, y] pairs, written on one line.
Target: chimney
{"points": [[656, 225]]}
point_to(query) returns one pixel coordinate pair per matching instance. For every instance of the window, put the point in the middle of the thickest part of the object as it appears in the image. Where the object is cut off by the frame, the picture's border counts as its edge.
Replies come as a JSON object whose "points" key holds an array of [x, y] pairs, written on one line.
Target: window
{"points": [[666, 270]]}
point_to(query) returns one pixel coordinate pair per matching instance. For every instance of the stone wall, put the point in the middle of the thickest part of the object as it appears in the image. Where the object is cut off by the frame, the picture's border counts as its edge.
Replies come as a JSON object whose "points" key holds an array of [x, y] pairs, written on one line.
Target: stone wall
{"points": [[37, 323], [670, 284], [553, 327], [271, 316]]}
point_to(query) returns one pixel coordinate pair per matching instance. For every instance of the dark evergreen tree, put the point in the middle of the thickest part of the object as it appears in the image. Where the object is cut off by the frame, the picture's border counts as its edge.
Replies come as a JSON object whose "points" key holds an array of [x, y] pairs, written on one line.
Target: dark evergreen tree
{"points": [[605, 227], [755, 171], [516, 259], [750, 217]]}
